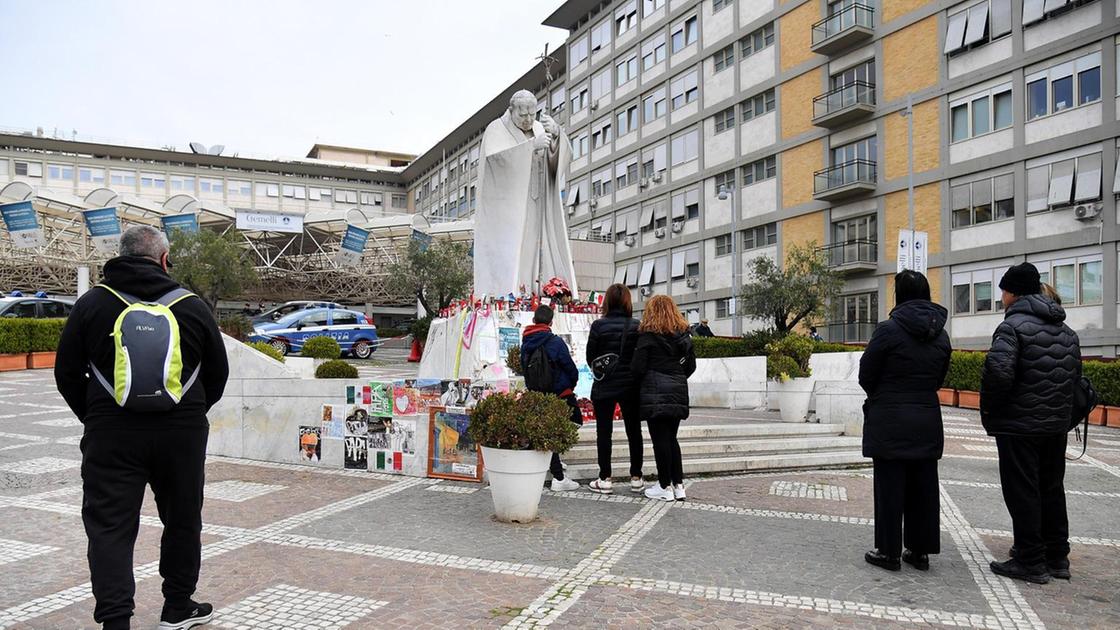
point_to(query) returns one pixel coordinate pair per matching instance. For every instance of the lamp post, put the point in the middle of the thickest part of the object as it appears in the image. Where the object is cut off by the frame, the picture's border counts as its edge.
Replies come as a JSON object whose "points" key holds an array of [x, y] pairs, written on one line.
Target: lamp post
{"points": [[736, 262]]}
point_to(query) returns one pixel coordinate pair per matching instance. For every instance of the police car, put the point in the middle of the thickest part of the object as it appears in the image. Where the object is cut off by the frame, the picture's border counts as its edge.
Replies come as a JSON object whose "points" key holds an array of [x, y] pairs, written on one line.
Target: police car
{"points": [[353, 332]]}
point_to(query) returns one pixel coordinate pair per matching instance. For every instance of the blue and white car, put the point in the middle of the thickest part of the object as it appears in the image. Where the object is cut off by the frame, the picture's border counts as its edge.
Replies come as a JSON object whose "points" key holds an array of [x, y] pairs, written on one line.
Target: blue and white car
{"points": [[353, 332]]}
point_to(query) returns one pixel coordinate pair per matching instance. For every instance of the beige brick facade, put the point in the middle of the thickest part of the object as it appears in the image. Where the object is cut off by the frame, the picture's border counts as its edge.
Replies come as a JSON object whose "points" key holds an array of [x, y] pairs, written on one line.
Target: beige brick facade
{"points": [[892, 9], [798, 165], [910, 59], [807, 228], [935, 283], [795, 34], [927, 217], [797, 103], [927, 140]]}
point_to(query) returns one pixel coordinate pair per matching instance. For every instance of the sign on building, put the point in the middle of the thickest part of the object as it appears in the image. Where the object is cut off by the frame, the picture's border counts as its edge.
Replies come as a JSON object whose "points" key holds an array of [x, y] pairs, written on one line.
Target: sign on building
{"points": [[253, 221], [912, 250], [353, 244], [23, 224], [104, 228], [187, 222]]}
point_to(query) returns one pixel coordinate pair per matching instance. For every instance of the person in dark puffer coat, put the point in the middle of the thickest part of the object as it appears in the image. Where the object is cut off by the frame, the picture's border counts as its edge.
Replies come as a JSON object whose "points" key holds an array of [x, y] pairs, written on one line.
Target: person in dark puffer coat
{"points": [[662, 363], [1026, 400], [903, 367], [616, 387]]}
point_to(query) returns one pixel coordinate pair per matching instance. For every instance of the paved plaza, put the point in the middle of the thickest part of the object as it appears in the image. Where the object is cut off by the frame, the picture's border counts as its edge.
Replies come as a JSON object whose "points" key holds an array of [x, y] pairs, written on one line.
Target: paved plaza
{"points": [[293, 547]]}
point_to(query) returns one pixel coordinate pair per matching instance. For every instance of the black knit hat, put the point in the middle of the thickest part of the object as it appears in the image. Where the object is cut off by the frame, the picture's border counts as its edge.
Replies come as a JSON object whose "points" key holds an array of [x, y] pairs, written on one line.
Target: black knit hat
{"points": [[1021, 279]]}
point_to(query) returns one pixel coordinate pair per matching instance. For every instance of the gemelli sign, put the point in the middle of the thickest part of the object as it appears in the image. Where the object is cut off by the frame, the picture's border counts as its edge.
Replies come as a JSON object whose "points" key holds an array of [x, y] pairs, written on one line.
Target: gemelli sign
{"points": [[269, 222]]}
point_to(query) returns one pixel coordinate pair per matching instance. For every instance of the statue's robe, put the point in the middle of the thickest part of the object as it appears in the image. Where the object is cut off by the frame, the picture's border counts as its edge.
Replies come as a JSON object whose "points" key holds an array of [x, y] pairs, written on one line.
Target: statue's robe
{"points": [[520, 227]]}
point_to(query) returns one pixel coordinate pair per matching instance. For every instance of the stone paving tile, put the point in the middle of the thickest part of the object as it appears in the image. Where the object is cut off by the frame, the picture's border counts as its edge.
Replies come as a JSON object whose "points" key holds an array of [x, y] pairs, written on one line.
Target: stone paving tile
{"points": [[1078, 476], [463, 524], [754, 493], [811, 558], [1093, 517]]}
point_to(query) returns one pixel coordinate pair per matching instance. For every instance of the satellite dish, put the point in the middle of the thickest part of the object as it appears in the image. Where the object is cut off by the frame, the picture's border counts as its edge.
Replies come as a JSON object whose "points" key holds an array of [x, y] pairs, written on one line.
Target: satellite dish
{"points": [[217, 149], [198, 147]]}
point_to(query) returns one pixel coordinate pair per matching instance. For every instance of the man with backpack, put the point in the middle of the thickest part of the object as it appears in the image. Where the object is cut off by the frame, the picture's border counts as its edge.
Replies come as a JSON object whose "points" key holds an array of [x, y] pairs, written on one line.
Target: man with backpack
{"points": [[548, 367], [140, 363]]}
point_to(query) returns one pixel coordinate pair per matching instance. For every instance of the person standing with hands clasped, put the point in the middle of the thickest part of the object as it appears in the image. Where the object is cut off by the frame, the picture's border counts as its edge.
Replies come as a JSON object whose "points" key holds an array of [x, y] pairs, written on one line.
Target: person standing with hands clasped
{"points": [[662, 363], [901, 370], [1026, 402]]}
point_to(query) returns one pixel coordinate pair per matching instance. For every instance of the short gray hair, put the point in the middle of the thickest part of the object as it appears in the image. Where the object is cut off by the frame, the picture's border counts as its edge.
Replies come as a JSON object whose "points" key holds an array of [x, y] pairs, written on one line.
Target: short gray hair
{"points": [[522, 95], [145, 241]]}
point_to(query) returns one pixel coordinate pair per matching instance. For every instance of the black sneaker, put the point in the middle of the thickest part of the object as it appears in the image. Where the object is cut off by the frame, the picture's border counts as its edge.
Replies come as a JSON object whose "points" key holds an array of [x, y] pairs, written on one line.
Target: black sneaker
{"points": [[882, 560], [1056, 568], [193, 615], [1036, 574], [919, 561]]}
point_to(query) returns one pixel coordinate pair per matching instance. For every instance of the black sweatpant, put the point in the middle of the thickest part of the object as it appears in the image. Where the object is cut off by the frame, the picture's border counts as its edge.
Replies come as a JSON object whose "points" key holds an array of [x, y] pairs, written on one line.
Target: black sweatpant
{"points": [[116, 466], [666, 451], [604, 427], [1032, 472], [556, 467], [907, 491]]}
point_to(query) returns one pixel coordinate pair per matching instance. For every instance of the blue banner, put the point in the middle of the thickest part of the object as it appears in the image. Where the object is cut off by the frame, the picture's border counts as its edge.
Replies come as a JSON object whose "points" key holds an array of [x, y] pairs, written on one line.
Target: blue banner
{"points": [[104, 228], [22, 223], [355, 239], [424, 239], [188, 222]]}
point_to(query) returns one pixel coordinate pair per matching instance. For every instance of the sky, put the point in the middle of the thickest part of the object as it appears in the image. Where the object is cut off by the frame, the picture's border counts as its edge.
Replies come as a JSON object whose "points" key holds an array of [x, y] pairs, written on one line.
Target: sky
{"points": [[263, 77]]}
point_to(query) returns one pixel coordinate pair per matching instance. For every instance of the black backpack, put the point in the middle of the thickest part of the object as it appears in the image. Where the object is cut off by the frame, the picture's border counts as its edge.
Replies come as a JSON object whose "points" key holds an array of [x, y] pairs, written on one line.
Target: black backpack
{"points": [[538, 370], [1085, 399]]}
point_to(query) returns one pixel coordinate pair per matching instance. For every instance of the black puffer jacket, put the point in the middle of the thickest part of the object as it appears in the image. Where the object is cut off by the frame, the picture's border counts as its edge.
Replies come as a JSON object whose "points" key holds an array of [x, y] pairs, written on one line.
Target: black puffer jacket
{"points": [[662, 365], [901, 370], [1028, 379], [606, 337]]}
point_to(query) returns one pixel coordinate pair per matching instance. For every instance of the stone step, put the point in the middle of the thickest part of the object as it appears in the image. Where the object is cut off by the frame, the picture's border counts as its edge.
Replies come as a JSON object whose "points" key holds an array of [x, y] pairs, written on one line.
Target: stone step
{"points": [[690, 431], [728, 465], [586, 452]]}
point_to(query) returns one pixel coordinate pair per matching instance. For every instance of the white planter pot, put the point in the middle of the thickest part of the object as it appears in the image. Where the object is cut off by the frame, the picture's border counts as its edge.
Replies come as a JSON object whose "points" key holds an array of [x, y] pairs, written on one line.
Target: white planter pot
{"points": [[516, 481], [793, 399]]}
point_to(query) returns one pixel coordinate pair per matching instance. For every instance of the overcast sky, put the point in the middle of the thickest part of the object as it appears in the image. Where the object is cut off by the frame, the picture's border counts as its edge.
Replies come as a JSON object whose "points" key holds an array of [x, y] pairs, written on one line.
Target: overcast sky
{"points": [[263, 76]]}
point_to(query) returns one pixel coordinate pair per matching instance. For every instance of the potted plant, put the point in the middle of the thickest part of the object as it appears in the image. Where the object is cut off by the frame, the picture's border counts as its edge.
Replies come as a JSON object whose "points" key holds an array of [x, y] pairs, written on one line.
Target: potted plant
{"points": [[518, 433], [787, 363], [15, 343], [44, 337], [964, 376], [419, 332]]}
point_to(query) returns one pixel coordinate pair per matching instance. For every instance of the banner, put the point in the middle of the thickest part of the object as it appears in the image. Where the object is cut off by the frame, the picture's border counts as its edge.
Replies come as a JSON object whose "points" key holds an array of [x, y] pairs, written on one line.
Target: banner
{"points": [[353, 244], [187, 222], [424, 239], [269, 221], [23, 224], [912, 246], [104, 228]]}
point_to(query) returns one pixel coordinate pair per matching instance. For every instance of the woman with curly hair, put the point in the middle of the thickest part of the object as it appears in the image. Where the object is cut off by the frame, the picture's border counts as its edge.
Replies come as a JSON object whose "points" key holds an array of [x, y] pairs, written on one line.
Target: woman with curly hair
{"points": [[663, 361]]}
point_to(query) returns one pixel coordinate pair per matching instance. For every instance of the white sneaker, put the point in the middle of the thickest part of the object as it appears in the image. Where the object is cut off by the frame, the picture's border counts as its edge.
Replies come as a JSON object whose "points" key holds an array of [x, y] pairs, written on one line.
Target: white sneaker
{"points": [[564, 485], [678, 492], [602, 486], [655, 491], [637, 485]]}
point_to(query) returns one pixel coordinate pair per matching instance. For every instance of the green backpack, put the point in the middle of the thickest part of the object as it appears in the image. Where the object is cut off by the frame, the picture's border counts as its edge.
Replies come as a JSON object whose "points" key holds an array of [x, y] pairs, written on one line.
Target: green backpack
{"points": [[148, 360]]}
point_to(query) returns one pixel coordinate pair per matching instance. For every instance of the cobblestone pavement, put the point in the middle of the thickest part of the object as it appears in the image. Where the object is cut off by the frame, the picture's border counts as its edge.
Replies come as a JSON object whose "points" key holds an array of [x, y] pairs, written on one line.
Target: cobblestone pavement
{"points": [[292, 547]]}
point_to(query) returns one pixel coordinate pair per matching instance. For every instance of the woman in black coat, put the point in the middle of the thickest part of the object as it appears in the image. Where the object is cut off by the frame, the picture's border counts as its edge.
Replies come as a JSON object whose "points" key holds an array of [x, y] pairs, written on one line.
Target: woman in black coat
{"points": [[901, 370], [610, 347], [663, 361]]}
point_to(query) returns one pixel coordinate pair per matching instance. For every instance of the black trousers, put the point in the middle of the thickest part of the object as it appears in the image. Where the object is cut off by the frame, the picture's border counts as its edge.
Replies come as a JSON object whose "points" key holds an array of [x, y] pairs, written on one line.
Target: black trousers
{"points": [[1032, 472], [666, 451], [907, 493], [604, 427], [116, 466], [556, 467]]}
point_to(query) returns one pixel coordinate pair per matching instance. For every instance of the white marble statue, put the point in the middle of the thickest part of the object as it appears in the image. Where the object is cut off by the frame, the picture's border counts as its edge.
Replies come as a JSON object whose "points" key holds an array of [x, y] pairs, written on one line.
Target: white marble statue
{"points": [[520, 228]]}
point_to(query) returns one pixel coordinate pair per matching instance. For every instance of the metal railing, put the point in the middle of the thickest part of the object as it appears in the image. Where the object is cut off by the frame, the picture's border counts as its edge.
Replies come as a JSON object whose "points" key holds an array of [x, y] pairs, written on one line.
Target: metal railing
{"points": [[849, 332], [842, 20], [845, 174], [854, 251], [856, 93]]}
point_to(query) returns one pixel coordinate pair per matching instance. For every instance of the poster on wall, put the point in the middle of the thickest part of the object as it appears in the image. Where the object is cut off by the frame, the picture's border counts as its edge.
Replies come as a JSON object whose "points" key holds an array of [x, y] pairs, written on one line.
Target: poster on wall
{"points": [[381, 399], [379, 428], [357, 421], [310, 444], [428, 394], [455, 393], [403, 437], [405, 397], [23, 224], [508, 337], [333, 421], [356, 450], [451, 453], [104, 228]]}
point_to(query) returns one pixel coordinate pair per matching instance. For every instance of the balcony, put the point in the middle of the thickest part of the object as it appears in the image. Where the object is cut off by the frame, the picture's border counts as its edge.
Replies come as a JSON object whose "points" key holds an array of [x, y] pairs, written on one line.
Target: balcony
{"points": [[855, 255], [848, 179], [850, 332], [844, 105], [847, 27]]}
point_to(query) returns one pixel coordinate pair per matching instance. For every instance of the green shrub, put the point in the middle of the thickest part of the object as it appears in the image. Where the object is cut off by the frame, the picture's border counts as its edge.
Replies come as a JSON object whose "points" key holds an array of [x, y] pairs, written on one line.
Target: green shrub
{"points": [[1105, 378], [237, 326], [529, 421], [386, 332], [15, 335], [788, 357], [822, 347], [419, 328], [513, 360], [321, 348], [779, 367], [964, 370], [718, 347], [266, 349], [45, 334], [757, 340], [336, 368]]}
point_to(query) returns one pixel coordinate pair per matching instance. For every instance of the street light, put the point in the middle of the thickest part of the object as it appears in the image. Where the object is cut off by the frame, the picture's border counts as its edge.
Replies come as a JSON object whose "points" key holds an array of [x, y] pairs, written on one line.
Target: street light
{"points": [[736, 262]]}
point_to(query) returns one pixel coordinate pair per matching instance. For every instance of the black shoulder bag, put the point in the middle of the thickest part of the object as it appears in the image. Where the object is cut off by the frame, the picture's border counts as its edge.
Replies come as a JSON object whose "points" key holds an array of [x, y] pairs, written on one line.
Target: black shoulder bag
{"points": [[604, 365], [1085, 399]]}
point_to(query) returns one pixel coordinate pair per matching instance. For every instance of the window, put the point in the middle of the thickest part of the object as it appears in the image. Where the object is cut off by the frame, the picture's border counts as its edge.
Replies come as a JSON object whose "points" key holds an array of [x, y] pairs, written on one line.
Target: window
{"points": [[686, 204], [601, 133], [649, 6], [758, 105], [685, 147], [601, 84], [577, 52], [983, 201], [760, 170], [723, 308], [684, 34], [856, 229], [719, 5], [91, 175], [60, 171], [626, 173], [580, 145], [981, 113], [962, 299], [1079, 281], [756, 41], [760, 236], [653, 51], [370, 199], [1038, 10], [723, 244], [183, 183], [153, 180], [686, 263], [865, 149], [725, 58], [602, 183], [626, 18], [35, 169], [684, 90], [726, 180], [55, 309], [1065, 182], [627, 69], [342, 196], [725, 120], [977, 25], [627, 120], [217, 186], [860, 73], [579, 101], [653, 105], [601, 35], [653, 160], [1054, 90], [244, 189]]}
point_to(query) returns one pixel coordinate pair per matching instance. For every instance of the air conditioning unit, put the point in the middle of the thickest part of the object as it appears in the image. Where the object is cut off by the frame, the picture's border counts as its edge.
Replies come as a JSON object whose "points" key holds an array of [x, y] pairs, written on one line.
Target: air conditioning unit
{"points": [[643, 183], [630, 240], [594, 203], [594, 105], [646, 291], [659, 232], [1087, 212], [657, 177], [571, 210], [693, 282], [678, 226]]}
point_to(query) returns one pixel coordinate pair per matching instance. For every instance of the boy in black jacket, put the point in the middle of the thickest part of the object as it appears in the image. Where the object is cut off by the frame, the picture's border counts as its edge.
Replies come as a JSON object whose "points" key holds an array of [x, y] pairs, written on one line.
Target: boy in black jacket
{"points": [[565, 375]]}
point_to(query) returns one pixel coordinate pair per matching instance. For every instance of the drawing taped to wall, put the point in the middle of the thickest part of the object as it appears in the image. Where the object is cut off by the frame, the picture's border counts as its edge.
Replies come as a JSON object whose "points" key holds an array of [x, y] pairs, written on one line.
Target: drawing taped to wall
{"points": [[379, 429], [381, 399], [357, 447], [310, 444]]}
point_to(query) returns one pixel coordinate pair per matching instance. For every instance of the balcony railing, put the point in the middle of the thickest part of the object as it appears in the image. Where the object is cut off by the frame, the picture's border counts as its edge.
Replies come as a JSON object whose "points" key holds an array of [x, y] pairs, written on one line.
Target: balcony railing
{"points": [[845, 179], [843, 29], [858, 253], [850, 332], [844, 104]]}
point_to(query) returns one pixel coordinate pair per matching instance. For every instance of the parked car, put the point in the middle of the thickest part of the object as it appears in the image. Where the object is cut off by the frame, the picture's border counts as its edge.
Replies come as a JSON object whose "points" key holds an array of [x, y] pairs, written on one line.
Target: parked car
{"points": [[350, 329], [276, 312], [35, 307]]}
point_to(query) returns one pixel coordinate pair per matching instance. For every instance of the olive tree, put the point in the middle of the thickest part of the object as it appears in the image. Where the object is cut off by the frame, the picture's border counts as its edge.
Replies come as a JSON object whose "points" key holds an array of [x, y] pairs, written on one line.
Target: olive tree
{"points": [[211, 264], [787, 294], [435, 274]]}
